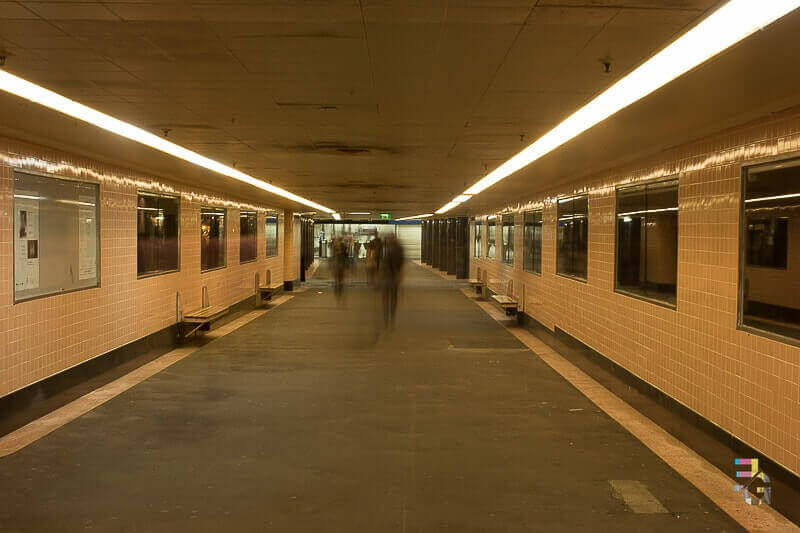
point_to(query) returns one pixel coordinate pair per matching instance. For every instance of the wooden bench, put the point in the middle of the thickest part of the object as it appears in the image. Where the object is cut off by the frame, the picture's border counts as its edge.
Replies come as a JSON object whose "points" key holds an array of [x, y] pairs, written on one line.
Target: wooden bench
{"points": [[477, 283], [265, 291], [507, 301], [201, 319]]}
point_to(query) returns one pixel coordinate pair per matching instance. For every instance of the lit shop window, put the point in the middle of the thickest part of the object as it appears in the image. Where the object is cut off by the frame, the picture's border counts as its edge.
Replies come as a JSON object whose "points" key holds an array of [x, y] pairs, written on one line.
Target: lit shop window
{"points": [[647, 240], [247, 236], [573, 236], [56, 235], [157, 245], [508, 239], [532, 246], [212, 238], [770, 295]]}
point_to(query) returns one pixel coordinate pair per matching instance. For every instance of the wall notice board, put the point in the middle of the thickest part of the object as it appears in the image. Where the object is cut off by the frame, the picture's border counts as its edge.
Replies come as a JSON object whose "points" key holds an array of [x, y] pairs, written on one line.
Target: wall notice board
{"points": [[56, 235]]}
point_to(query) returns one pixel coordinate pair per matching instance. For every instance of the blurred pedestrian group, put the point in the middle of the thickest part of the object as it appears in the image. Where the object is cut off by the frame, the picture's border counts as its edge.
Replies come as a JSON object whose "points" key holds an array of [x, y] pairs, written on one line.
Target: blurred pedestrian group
{"points": [[384, 268]]}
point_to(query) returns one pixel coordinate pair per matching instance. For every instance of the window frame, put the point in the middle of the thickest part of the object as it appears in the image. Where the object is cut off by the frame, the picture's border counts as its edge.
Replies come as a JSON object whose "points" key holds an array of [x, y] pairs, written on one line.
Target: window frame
{"points": [[503, 225], [225, 237], [248, 212], [790, 157], [655, 301], [572, 276], [268, 216], [99, 250], [159, 272], [533, 212]]}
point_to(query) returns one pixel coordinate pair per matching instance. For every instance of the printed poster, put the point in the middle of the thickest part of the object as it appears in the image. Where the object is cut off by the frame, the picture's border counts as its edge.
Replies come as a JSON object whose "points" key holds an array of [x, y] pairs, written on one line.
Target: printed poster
{"points": [[87, 238], [26, 240]]}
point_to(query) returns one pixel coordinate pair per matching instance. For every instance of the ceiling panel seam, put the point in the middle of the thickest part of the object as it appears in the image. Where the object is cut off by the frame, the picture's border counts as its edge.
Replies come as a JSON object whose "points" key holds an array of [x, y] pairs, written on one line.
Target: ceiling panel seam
{"points": [[369, 56], [493, 76]]}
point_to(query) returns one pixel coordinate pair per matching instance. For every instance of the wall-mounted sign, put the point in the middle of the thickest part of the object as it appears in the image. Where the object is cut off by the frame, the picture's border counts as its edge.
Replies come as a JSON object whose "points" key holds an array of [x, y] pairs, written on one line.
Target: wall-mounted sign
{"points": [[385, 216], [26, 236]]}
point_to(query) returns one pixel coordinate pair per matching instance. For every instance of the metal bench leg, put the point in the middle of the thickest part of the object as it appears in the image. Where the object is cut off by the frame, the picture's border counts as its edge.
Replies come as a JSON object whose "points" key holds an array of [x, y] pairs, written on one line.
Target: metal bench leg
{"points": [[184, 335]]}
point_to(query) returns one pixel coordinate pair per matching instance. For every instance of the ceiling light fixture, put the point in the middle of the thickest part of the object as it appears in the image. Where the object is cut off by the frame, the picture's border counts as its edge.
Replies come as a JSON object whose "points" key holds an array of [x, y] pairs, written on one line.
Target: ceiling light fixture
{"points": [[336, 216], [766, 198], [722, 29], [47, 98], [360, 213], [648, 211], [415, 217]]}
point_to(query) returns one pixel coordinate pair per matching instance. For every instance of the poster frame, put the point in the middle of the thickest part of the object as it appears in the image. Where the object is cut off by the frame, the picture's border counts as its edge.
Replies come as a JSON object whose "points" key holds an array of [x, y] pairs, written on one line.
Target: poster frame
{"points": [[98, 185]]}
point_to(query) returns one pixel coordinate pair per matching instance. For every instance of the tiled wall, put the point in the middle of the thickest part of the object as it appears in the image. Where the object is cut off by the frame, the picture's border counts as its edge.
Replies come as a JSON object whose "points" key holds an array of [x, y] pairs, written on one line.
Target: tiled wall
{"points": [[746, 383], [41, 337]]}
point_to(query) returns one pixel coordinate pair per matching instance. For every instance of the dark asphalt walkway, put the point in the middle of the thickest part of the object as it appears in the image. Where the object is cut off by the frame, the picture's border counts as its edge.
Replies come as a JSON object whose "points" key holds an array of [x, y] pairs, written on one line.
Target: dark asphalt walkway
{"points": [[310, 419]]}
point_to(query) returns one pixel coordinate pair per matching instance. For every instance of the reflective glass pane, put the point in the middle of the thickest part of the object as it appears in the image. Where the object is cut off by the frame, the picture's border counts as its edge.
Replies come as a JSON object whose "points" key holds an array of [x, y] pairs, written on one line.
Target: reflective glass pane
{"points": [[532, 237], [647, 240], [55, 241], [247, 236], [157, 220], [271, 232], [573, 236], [771, 291], [508, 239], [212, 238], [490, 239]]}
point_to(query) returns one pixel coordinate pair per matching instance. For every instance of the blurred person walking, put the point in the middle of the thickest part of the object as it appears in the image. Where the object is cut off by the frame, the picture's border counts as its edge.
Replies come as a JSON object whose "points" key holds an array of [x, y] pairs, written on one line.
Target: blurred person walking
{"points": [[338, 266], [374, 253], [391, 270]]}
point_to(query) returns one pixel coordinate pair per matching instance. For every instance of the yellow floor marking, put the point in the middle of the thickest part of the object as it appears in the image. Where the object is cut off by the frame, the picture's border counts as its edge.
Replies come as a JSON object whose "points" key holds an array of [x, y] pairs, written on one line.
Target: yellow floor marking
{"points": [[711, 481], [636, 496], [35, 430]]}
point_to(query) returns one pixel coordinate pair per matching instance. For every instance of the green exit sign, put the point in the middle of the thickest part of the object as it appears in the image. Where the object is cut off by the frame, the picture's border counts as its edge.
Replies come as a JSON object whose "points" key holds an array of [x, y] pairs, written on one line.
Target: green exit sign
{"points": [[385, 216]]}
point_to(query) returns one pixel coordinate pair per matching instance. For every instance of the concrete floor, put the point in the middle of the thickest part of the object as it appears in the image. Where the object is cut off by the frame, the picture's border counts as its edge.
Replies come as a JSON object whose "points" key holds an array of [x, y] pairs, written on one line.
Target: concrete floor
{"points": [[313, 418]]}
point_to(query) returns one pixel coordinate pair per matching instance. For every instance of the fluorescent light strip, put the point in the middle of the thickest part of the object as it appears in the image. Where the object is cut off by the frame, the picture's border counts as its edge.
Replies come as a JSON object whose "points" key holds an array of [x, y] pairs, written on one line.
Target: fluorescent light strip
{"points": [[722, 29], [336, 216], [415, 217], [766, 198], [360, 213], [75, 202], [662, 210], [47, 98], [570, 198]]}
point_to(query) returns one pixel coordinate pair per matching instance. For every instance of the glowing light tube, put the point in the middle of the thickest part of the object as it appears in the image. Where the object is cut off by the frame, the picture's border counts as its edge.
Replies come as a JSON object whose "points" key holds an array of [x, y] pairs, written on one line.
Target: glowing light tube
{"points": [[47, 98], [722, 29]]}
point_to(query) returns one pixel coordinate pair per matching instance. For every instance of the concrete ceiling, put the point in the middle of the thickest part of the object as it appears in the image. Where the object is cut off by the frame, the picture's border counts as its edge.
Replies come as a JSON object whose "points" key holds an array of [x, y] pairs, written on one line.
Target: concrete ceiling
{"points": [[366, 105]]}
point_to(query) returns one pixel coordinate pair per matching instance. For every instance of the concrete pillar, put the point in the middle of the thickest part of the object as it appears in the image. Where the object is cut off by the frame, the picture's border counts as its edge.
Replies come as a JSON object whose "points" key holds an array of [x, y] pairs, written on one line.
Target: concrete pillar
{"points": [[435, 244], [291, 253], [442, 245], [451, 245], [462, 248], [424, 237]]}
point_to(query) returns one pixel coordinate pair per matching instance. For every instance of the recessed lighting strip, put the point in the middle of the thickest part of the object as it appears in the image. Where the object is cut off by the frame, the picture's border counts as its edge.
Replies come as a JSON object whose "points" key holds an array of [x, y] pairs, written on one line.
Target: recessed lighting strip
{"points": [[647, 211], [416, 217], [47, 98], [767, 198], [725, 27]]}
